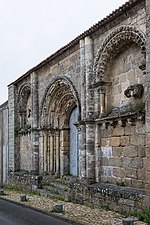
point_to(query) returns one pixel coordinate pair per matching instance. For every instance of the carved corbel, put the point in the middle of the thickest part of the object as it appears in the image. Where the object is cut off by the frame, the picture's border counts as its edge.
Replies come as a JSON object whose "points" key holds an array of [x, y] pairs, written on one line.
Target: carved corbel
{"points": [[135, 90]]}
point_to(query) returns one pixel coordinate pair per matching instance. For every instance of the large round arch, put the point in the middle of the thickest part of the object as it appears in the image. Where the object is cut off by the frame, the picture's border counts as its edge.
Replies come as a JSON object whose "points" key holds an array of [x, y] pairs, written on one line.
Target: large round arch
{"points": [[59, 101], [112, 44]]}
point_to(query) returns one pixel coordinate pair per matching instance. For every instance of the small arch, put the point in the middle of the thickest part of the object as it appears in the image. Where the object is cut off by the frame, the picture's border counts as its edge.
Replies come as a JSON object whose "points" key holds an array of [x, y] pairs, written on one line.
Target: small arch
{"points": [[112, 44], [24, 103]]}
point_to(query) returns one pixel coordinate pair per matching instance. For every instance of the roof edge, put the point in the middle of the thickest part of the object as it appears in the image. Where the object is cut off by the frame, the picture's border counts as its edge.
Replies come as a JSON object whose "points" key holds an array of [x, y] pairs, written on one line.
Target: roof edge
{"points": [[127, 5]]}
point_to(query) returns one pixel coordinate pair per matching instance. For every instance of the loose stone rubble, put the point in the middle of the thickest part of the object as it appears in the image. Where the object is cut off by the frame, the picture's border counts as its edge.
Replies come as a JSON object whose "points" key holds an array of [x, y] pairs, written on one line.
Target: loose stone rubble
{"points": [[75, 212]]}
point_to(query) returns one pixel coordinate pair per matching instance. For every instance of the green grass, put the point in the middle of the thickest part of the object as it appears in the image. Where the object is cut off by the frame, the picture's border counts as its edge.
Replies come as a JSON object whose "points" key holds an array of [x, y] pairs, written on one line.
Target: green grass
{"points": [[143, 215]]}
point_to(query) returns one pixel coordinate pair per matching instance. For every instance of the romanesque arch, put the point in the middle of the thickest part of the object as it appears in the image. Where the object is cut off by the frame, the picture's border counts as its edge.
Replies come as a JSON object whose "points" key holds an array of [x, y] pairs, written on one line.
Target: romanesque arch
{"points": [[59, 101], [24, 103], [112, 44]]}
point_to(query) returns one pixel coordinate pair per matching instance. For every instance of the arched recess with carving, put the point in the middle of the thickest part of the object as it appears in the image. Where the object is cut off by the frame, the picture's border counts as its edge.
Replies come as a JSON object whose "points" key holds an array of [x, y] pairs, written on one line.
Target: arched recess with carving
{"points": [[119, 63], [24, 104], [59, 101], [112, 45]]}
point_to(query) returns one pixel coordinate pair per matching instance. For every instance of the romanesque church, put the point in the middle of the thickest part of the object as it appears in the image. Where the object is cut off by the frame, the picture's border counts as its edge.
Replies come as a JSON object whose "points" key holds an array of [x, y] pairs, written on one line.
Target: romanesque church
{"points": [[85, 110]]}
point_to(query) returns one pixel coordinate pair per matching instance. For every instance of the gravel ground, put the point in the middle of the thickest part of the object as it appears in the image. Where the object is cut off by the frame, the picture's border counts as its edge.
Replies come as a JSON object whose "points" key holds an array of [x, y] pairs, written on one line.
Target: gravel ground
{"points": [[76, 212]]}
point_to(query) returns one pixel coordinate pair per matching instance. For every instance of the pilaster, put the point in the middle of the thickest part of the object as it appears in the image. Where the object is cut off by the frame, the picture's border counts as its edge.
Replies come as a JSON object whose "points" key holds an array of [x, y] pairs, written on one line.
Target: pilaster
{"points": [[147, 93], [89, 123], [11, 125], [34, 113]]}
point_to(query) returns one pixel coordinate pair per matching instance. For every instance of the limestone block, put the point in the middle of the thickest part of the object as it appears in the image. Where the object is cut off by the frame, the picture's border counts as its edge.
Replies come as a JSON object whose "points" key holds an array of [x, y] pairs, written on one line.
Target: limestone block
{"points": [[118, 131], [58, 208], [147, 177], [146, 162], [1, 191], [130, 151], [106, 171], [148, 139], [124, 140], [129, 130], [140, 128], [147, 150], [23, 198], [128, 182], [105, 142], [104, 161], [136, 162], [131, 173], [128, 221], [137, 140], [106, 151], [126, 202], [138, 184], [141, 152], [115, 141], [123, 78], [115, 161], [131, 75], [119, 172], [140, 174], [117, 151]]}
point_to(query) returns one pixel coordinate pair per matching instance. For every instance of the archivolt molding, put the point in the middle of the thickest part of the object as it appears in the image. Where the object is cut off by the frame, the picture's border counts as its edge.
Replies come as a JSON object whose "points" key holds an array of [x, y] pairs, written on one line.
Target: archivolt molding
{"points": [[59, 100], [23, 94], [112, 44], [24, 88]]}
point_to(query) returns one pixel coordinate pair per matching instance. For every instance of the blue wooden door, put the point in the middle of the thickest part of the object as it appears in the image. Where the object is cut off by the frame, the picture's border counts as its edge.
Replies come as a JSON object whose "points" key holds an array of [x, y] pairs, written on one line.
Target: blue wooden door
{"points": [[73, 144]]}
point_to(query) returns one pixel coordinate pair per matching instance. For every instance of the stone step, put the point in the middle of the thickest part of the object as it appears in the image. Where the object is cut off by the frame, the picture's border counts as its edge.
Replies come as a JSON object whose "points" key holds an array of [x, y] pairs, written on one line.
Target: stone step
{"points": [[46, 193], [56, 189]]}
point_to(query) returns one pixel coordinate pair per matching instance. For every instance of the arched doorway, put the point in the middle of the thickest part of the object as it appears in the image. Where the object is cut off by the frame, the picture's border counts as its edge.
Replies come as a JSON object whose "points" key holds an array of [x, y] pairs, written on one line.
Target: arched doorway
{"points": [[73, 150], [59, 142]]}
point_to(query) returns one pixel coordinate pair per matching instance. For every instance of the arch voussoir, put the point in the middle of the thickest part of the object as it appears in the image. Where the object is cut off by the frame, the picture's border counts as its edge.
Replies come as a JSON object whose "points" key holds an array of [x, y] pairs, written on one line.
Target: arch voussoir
{"points": [[111, 45]]}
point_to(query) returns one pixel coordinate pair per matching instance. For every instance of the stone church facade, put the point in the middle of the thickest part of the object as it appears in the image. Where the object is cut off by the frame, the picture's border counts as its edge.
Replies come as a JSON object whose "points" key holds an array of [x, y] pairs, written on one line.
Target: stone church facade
{"points": [[85, 110]]}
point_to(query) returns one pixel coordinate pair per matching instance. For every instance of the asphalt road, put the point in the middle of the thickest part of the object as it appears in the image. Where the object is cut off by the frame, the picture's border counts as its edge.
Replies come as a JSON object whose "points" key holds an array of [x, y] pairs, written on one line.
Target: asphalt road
{"points": [[13, 214]]}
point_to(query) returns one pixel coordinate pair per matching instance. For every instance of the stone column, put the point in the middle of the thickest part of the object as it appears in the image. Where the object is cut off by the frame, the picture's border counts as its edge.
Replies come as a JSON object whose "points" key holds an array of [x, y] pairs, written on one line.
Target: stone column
{"points": [[11, 125], [64, 151], [90, 126], [147, 100], [41, 151], [89, 76], [82, 151], [57, 152], [97, 102], [35, 113], [83, 79], [51, 152], [97, 152], [81, 128], [102, 100]]}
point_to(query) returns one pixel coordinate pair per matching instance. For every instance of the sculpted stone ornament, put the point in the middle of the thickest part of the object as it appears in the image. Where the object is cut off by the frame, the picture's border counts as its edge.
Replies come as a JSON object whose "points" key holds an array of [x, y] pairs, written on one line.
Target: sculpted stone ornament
{"points": [[135, 90]]}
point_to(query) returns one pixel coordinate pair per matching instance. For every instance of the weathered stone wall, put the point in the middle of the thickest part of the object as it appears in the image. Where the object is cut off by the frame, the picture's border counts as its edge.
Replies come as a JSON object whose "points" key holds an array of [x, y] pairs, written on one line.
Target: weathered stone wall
{"points": [[103, 70], [120, 199], [122, 154], [3, 143]]}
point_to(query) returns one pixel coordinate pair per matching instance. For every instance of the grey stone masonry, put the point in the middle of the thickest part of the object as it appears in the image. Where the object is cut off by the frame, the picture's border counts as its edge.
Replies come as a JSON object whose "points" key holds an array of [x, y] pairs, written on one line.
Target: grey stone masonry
{"points": [[147, 84], [11, 125], [34, 113]]}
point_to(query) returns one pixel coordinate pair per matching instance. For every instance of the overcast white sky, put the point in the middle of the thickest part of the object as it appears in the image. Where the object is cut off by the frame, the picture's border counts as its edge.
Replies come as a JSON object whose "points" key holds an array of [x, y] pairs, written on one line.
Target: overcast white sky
{"points": [[31, 30]]}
